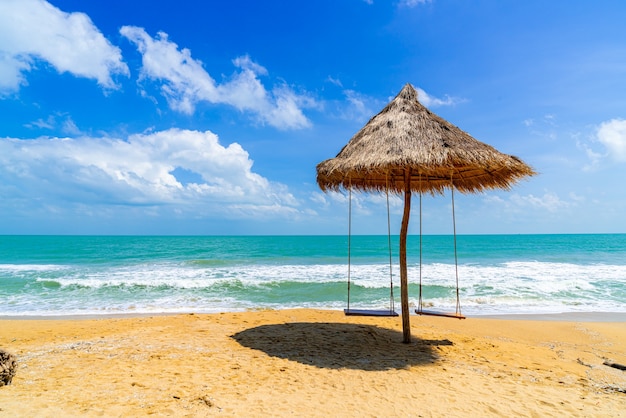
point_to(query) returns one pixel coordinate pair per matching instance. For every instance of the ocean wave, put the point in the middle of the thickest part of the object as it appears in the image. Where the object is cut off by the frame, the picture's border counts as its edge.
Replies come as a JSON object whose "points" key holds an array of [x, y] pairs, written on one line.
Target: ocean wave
{"points": [[509, 287], [8, 268]]}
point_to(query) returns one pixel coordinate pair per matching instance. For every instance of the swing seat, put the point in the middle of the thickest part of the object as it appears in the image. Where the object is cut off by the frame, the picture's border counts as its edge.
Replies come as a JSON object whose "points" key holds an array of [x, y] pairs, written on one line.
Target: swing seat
{"points": [[443, 314], [369, 312]]}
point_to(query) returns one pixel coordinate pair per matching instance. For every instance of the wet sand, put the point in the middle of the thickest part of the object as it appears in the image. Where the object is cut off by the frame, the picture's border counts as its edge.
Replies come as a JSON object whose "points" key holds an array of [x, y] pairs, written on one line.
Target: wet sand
{"points": [[313, 363]]}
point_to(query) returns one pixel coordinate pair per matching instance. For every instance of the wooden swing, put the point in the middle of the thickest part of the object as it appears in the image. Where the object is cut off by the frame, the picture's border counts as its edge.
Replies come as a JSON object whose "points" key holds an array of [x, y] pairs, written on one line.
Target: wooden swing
{"points": [[370, 312]]}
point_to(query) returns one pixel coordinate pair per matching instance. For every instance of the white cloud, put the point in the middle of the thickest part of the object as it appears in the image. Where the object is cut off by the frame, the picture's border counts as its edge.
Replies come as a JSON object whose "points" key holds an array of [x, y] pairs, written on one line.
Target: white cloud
{"points": [[334, 81], [48, 123], [576, 198], [364, 204], [69, 127], [139, 170], [11, 71], [359, 107], [34, 30], [185, 80], [594, 157], [413, 3], [185, 83], [549, 201], [612, 134], [319, 199], [58, 120], [544, 127], [431, 101], [340, 197]]}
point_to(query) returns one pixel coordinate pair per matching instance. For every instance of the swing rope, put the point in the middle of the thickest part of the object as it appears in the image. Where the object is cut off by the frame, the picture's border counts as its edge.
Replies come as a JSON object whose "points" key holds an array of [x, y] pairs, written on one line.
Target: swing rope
{"points": [[349, 239], [365, 312], [391, 301], [456, 259], [419, 305], [420, 310]]}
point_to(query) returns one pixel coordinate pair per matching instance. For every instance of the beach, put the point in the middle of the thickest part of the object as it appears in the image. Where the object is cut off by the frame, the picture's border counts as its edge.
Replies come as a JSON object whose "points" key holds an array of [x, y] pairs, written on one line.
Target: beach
{"points": [[307, 362]]}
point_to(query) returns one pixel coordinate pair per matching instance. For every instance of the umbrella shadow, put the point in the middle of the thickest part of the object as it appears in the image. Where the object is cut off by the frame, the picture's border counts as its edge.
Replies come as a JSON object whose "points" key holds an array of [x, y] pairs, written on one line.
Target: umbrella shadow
{"points": [[340, 345]]}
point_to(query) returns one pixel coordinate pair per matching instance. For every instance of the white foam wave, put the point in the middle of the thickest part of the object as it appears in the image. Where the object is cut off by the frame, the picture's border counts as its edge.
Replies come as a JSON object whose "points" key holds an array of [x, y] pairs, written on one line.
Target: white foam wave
{"points": [[188, 278], [9, 268], [518, 277], [514, 287]]}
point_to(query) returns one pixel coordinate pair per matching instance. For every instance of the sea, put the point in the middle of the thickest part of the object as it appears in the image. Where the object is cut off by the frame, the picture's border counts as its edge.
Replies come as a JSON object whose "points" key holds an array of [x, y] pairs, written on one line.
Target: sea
{"points": [[52, 276]]}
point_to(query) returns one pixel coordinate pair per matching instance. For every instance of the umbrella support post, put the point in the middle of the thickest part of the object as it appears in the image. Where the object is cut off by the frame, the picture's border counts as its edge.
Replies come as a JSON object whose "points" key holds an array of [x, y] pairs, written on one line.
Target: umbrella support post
{"points": [[404, 283]]}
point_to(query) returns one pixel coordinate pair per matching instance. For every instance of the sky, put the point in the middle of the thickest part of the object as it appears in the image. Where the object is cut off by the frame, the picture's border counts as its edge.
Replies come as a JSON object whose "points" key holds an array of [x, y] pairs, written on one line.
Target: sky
{"points": [[205, 117]]}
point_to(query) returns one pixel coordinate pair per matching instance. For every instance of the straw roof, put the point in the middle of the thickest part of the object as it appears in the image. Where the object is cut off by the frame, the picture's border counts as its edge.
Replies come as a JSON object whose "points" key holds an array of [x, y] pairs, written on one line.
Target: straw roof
{"points": [[407, 136]]}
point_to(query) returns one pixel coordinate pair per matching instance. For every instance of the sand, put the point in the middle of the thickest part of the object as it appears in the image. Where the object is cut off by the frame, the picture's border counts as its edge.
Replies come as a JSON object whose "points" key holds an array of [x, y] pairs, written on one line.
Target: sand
{"points": [[313, 363]]}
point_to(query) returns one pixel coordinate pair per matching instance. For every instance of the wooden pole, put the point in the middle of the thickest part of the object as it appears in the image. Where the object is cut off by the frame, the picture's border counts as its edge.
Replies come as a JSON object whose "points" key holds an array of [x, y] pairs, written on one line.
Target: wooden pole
{"points": [[404, 282]]}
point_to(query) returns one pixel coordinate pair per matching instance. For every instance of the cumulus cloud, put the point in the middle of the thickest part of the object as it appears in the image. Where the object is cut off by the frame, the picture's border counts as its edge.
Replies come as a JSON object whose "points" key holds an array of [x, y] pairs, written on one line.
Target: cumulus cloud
{"points": [[141, 170], [185, 83], [612, 134], [34, 31]]}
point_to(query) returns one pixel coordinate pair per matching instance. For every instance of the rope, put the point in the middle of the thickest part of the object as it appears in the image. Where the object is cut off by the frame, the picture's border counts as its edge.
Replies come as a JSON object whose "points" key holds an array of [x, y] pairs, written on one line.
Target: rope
{"points": [[349, 239], [391, 298], [456, 260], [419, 304], [391, 301]]}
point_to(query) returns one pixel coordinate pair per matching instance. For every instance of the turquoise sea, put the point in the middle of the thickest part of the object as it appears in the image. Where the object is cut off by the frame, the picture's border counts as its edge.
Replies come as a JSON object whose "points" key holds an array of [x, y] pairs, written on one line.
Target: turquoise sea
{"points": [[498, 274]]}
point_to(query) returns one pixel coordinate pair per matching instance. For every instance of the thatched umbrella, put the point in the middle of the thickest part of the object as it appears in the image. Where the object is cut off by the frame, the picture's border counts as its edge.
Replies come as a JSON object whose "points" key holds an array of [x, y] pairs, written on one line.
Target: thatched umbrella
{"points": [[407, 148]]}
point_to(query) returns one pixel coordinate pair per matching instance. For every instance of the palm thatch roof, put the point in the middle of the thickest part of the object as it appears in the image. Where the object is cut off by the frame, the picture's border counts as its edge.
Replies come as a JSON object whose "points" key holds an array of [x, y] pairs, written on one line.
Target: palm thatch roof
{"points": [[407, 136]]}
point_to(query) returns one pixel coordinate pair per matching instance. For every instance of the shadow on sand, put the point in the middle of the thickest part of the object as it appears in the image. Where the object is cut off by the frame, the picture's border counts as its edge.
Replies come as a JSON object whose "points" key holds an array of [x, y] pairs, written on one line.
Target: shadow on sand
{"points": [[340, 345]]}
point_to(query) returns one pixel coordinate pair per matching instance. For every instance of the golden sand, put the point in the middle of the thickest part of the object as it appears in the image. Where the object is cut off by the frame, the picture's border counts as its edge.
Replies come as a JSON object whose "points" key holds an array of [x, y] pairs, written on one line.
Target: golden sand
{"points": [[312, 363]]}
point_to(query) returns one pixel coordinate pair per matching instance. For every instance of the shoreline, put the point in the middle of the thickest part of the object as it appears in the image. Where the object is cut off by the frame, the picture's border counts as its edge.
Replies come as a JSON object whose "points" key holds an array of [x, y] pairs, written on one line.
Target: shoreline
{"points": [[314, 363], [592, 316]]}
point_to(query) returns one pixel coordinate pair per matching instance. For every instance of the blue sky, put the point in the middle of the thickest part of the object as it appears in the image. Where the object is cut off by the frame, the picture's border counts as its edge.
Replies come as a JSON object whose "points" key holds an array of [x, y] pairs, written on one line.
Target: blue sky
{"points": [[194, 117]]}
